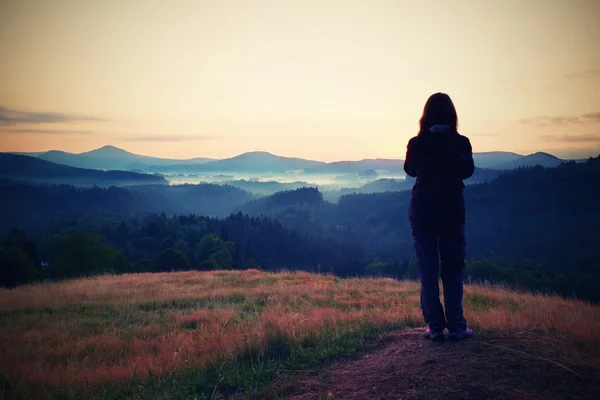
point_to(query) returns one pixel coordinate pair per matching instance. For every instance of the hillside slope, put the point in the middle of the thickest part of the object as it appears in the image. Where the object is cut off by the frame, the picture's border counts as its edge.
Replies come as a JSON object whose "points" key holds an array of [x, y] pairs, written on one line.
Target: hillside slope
{"points": [[32, 169], [251, 334], [31, 207]]}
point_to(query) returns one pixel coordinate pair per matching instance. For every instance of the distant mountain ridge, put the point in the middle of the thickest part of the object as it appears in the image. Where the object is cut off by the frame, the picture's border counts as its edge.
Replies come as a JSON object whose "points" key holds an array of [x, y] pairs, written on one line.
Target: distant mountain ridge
{"points": [[531, 160], [111, 157]]}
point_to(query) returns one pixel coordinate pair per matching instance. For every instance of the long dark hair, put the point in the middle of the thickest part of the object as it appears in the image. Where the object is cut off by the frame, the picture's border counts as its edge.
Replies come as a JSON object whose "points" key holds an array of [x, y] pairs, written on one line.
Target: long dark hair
{"points": [[438, 110]]}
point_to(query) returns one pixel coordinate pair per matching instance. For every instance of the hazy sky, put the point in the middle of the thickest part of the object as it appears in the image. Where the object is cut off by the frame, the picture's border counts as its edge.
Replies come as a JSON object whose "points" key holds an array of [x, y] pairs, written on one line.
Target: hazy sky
{"points": [[320, 79]]}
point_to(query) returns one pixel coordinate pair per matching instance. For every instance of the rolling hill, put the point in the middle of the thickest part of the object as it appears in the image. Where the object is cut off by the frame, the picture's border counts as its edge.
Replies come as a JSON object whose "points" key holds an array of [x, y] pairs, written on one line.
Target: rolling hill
{"points": [[492, 158], [531, 160], [32, 169], [111, 158], [251, 162]]}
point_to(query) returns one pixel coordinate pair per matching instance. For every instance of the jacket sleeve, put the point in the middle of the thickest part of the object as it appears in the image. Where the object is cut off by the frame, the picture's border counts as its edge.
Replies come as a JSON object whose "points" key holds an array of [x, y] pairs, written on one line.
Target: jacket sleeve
{"points": [[410, 162], [465, 160]]}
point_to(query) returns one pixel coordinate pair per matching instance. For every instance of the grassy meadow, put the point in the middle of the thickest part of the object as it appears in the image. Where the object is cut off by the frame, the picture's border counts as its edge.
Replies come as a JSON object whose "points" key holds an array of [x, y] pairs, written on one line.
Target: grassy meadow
{"points": [[208, 335]]}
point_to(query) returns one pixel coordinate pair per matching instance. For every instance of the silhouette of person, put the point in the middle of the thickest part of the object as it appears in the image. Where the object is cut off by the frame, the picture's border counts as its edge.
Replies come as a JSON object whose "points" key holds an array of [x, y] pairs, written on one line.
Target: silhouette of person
{"points": [[440, 158]]}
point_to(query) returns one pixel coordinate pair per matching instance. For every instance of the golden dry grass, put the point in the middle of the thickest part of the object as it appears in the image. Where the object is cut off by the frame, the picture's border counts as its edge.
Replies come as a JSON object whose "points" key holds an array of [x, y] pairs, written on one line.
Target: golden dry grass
{"points": [[85, 333]]}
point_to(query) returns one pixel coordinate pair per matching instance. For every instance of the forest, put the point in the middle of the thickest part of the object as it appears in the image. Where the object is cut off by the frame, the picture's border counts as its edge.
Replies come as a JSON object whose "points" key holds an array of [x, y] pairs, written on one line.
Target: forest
{"points": [[533, 228]]}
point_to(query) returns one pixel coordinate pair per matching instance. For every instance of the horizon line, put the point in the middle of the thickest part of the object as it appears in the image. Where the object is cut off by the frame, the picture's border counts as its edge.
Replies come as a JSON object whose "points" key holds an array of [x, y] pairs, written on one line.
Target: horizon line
{"points": [[266, 152]]}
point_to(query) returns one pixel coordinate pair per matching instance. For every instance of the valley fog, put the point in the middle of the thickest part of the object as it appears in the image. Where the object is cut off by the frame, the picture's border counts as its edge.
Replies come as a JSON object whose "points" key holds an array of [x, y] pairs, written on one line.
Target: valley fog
{"points": [[296, 179]]}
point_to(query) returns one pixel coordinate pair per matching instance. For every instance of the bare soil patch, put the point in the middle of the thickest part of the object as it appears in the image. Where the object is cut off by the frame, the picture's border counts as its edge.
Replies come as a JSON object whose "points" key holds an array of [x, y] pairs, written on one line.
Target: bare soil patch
{"points": [[404, 365]]}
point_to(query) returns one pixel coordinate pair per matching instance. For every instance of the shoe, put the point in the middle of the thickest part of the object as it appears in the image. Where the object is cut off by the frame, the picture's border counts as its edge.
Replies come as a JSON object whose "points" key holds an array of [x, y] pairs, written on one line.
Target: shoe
{"points": [[434, 335], [467, 333]]}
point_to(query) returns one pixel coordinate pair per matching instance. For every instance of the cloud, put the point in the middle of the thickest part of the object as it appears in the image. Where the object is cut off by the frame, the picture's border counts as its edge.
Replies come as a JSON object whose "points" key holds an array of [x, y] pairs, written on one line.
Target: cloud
{"points": [[590, 73], [50, 131], [168, 138], [127, 136], [587, 138], [595, 116], [15, 117], [562, 120]]}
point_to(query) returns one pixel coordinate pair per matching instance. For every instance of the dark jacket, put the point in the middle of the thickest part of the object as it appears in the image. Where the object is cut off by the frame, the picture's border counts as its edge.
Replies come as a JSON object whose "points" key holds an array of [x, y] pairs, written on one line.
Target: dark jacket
{"points": [[440, 158]]}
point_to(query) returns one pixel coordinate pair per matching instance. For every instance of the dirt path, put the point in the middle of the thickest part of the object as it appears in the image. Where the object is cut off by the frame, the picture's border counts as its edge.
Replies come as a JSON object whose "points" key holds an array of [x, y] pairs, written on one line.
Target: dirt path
{"points": [[403, 365]]}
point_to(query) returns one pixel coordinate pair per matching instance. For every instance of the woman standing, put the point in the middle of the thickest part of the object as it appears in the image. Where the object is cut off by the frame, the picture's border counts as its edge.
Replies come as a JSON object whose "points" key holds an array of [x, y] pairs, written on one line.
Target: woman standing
{"points": [[440, 158]]}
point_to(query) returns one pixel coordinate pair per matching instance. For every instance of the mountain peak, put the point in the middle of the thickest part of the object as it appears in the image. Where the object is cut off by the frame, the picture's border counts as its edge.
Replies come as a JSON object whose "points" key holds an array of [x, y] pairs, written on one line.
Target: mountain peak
{"points": [[257, 156], [55, 152], [107, 150], [542, 154], [111, 148], [258, 153]]}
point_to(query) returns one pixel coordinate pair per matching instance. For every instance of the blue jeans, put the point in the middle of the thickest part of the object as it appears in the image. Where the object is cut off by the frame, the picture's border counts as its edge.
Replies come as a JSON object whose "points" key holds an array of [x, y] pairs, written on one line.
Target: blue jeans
{"points": [[442, 247]]}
